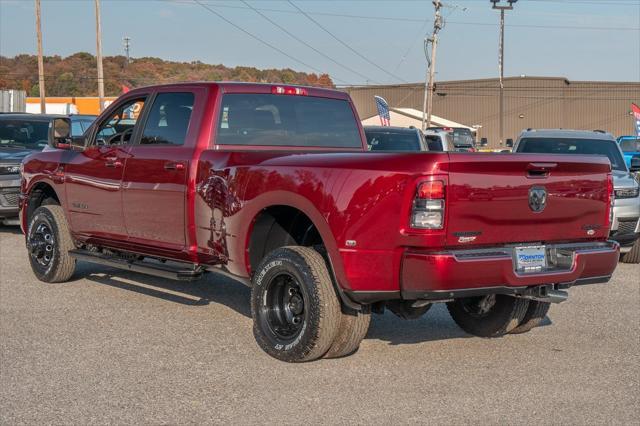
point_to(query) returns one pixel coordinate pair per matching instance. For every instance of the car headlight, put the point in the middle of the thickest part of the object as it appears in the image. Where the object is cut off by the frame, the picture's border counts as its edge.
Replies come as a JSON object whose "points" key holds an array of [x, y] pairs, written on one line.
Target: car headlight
{"points": [[9, 169], [627, 192]]}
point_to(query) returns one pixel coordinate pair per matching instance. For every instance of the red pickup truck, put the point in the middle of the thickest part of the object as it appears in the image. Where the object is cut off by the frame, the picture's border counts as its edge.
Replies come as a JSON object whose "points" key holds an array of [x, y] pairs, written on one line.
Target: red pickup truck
{"points": [[273, 185]]}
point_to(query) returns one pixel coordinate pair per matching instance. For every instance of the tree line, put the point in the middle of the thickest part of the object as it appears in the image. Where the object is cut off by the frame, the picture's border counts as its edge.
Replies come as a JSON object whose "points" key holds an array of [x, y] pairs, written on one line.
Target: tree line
{"points": [[76, 75]]}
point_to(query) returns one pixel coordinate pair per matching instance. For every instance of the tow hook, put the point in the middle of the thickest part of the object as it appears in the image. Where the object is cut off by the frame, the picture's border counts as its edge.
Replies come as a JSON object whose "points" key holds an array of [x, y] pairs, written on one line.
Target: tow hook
{"points": [[547, 293]]}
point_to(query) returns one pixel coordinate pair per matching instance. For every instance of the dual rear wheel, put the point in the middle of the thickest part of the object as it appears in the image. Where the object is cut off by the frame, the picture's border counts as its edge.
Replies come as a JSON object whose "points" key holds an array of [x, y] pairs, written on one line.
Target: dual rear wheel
{"points": [[496, 315], [297, 316]]}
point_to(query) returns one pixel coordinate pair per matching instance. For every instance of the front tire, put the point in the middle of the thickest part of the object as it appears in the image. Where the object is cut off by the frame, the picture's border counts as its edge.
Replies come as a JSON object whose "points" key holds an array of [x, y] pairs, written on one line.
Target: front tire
{"points": [[49, 242], [488, 316], [296, 313]]}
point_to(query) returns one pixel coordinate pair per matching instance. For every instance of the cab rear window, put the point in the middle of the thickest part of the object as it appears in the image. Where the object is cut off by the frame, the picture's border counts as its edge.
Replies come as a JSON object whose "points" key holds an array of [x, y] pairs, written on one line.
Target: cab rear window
{"points": [[282, 120]]}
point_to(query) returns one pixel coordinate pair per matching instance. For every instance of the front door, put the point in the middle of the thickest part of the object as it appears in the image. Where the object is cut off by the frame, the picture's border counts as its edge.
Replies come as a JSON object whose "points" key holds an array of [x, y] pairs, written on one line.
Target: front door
{"points": [[93, 177], [155, 176]]}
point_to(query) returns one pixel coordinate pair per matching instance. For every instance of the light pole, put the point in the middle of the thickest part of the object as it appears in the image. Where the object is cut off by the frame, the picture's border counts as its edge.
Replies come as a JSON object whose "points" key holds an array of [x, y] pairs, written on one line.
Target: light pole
{"points": [[99, 56], [502, 8], [43, 98], [427, 105]]}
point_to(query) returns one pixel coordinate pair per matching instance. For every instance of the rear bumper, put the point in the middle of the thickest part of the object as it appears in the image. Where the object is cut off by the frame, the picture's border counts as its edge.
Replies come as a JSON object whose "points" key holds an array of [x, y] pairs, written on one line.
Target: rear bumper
{"points": [[462, 273]]}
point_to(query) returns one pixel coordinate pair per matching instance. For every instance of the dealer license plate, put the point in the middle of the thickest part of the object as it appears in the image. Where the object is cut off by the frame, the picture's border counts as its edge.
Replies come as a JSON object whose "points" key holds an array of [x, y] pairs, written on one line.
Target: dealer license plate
{"points": [[531, 259]]}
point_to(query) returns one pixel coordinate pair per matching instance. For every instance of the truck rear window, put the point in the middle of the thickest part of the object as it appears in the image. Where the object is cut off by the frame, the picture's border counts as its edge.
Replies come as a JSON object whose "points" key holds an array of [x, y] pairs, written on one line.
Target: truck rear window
{"points": [[281, 120]]}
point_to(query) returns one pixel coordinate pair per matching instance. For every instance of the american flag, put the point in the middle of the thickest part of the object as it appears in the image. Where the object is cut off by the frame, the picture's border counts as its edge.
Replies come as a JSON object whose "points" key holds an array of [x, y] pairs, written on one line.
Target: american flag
{"points": [[636, 114], [383, 111]]}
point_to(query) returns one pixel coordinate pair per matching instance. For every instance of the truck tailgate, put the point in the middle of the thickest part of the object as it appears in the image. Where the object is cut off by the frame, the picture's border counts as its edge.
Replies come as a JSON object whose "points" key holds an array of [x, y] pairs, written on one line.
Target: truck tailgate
{"points": [[499, 198]]}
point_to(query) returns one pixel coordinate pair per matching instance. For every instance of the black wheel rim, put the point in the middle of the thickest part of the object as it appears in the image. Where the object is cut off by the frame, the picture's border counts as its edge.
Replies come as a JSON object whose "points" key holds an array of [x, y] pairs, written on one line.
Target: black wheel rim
{"points": [[42, 244], [284, 307], [479, 306]]}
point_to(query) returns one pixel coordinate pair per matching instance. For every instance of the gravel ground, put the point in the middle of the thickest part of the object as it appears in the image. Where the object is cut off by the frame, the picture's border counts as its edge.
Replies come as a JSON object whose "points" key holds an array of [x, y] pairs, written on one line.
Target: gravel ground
{"points": [[116, 347]]}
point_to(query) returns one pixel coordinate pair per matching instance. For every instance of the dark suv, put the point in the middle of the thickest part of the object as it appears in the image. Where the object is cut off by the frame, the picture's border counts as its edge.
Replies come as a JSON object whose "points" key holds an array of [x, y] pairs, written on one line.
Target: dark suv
{"points": [[20, 135]]}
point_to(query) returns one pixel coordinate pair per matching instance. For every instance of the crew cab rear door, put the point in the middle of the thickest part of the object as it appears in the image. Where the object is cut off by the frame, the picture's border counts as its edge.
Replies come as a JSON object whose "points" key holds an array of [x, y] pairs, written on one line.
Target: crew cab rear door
{"points": [[514, 198], [157, 169]]}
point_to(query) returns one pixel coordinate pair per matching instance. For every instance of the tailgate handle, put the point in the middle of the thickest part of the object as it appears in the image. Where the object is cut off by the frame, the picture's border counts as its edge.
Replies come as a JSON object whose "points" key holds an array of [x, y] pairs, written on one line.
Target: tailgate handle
{"points": [[540, 170]]}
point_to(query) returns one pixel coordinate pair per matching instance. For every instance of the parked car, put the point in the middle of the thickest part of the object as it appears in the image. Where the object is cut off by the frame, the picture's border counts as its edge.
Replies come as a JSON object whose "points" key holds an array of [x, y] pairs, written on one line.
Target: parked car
{"points": [[462, 137], [438, 140], [20, 135], [387, 138], [273, 185], [625, 226], [630, 146]]}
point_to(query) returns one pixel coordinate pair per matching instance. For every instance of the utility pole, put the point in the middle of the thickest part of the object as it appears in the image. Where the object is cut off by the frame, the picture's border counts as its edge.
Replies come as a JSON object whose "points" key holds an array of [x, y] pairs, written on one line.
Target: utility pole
{"points": [[99, 56], [43, 100], [427, 105], [126, 42], [502, 8]]}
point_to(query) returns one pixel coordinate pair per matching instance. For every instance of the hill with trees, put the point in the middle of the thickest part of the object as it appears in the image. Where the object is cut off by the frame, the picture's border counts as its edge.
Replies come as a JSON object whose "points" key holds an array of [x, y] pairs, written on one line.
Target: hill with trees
{"points": [[76, 75]]}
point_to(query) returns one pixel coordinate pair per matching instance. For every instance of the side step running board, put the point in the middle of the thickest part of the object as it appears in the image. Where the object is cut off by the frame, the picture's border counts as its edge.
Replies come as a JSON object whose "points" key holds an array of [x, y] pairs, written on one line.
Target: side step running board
{"points": [[156, 269]]}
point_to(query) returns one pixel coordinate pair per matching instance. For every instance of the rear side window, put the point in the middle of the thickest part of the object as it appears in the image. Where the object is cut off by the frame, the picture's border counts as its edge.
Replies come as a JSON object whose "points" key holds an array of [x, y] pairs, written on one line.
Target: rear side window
{"points": [[168, 120], [434, 143], [281, 120]]}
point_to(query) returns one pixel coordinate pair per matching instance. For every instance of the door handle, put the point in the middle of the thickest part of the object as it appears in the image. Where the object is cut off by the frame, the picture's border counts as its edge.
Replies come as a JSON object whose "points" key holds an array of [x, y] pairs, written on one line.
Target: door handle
{"points": [[113, 162], [172, 165]]}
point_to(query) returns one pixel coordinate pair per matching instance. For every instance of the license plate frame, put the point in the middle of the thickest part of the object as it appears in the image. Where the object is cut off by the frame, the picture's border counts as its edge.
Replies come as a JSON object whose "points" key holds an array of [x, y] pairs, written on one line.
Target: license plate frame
{"points": [[530, 259]]}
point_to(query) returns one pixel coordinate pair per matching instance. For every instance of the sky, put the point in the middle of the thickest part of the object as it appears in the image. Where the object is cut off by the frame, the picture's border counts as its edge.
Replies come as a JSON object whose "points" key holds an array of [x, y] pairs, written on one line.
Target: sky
{"points": [[363, 42]]}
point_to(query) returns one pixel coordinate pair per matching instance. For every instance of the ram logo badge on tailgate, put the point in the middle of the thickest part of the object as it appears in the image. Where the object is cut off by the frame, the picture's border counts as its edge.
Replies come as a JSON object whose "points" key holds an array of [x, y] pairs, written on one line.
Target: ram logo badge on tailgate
{"points": [[537, 198]]}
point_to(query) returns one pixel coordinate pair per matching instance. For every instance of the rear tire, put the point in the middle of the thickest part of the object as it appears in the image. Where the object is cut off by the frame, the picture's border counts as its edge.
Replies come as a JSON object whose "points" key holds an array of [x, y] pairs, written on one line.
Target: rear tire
{"points": [[533, 317], [632, 256], [295, 310], [49, 242], [488, 316], [351, 331]]}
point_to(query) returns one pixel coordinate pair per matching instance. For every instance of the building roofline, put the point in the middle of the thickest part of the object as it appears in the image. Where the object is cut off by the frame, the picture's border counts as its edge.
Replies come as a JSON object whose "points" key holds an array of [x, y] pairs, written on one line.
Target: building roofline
{"points": [[492, 79]]}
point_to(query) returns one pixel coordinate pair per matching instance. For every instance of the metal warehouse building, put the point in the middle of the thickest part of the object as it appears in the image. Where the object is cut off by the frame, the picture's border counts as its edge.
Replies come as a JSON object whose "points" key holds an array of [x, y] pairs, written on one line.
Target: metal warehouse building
{"points": [[536, 102]]}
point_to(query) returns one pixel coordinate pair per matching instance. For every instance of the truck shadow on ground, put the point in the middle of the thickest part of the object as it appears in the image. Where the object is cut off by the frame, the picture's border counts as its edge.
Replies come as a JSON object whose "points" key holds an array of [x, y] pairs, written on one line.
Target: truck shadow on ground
{"points": [[212, 288], [14, 230], [218, 289]]}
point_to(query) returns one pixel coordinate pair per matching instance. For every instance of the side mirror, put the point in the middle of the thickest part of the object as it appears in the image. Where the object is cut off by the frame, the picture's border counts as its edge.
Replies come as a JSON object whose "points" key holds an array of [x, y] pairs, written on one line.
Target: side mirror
{"points": [[61, 133], [510, 143], [635, 164], [484, 142]]}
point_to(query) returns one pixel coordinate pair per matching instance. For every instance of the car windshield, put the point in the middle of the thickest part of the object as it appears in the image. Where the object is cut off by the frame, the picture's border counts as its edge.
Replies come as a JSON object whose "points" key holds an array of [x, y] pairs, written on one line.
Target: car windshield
{"points": [[392, 141], [605, 148], [630, 145], [33, 134]]}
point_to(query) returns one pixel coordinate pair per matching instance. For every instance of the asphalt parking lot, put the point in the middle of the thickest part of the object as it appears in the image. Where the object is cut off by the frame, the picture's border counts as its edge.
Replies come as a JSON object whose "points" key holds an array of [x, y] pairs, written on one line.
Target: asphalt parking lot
{"points": [[116, 347]]}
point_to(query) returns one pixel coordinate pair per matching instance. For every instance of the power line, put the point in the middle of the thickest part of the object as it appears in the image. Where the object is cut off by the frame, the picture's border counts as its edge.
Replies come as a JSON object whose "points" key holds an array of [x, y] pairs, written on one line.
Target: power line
{"points": [[253, 36], [307, 44], [408, 19], [343, 43]]}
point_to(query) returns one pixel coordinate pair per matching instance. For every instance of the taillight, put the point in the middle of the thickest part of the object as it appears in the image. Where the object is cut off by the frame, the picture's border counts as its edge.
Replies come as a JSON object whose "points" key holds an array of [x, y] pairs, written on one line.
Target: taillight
{"points": [[611, 197], [428, 205], [288, 90]]}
